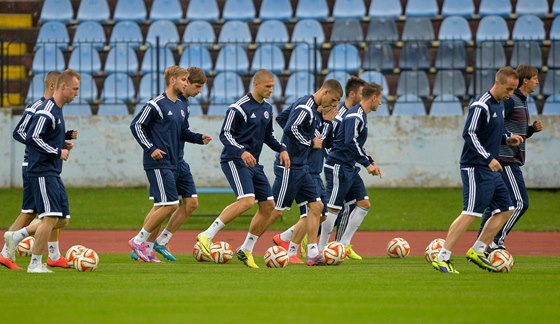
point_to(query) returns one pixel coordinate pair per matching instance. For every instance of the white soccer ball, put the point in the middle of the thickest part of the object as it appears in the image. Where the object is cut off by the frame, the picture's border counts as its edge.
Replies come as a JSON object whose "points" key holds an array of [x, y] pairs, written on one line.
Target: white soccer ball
{"points": [[276, 257], [398, 248], [221, 252], [502, 260], [334, 253], [432, 250], [25, 247], [199, 255], [88, 260], [73, 252]]}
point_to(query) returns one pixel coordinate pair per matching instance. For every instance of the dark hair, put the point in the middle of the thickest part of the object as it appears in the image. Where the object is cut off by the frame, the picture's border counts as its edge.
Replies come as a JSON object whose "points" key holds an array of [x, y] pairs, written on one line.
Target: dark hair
{"points": [[371, 89], [525, 71], [196, 75], [333, 85], [353, 84]]}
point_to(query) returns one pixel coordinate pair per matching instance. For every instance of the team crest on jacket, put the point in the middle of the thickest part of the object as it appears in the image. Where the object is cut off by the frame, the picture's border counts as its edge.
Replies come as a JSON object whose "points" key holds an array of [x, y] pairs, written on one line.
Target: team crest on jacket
{"points": [[266, 114], [183, 112]]}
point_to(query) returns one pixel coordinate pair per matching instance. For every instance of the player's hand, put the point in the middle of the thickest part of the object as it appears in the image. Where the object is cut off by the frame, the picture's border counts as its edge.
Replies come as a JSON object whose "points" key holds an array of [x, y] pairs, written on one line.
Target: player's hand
{"points": [[74, 134], [495, 166], [285, 159], [158, 154], [64, 154], [538, 125], [206, 139], [68, 145], [374, 170], [248, 159], [514, 140], [317, 142], [330, 113]]}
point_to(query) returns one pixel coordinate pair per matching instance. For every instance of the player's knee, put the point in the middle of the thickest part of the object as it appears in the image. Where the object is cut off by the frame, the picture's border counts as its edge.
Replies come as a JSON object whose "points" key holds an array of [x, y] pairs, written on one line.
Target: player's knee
{"points": [[246, 202], [316, 207], [524, 207], [61, 223], [191, 205], [364, 203], [267, 206]]}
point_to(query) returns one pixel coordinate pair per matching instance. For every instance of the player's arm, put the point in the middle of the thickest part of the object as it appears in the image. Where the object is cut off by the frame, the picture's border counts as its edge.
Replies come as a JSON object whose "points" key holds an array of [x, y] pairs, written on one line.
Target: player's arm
{"points": [[231, 128], [536, 127], [476, 116], [297, 119], [39, 125], [327, 134], [189, 136], [352, 125], [71, 134], [20, 132], [139, 128]]}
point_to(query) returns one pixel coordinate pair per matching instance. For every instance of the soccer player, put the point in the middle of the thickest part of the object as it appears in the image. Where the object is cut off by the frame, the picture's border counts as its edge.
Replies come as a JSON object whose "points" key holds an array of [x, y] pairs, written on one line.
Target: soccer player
{"points": [[247, 126], [159, 128], [342, 175], [483, 185], [516, 119], [47, 148]]}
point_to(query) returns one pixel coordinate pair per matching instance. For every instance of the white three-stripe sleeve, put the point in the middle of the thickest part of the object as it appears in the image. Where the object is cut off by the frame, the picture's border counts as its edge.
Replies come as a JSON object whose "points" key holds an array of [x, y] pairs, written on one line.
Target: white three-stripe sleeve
{"points": [[294, 127], [352, 127], [231, 122], [139, 126], [471, 128], [37, 131]]}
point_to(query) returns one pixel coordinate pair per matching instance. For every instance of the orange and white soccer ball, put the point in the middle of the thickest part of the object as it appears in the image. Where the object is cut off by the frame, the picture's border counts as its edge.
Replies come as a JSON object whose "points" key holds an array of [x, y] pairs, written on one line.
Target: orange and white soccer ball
{"points": [[276, 257], [432, 250], [334, 253], [87, 261], [199, 255], [398, 248], [502, 260], [221, 252], [25, 246], [73, 252]]}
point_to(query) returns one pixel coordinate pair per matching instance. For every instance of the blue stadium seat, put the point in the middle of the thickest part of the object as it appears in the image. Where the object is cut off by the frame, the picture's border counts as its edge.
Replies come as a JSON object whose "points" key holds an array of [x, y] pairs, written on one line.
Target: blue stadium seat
{"points": [[169, 10], [418, 29], [531, 7], [134, 10], [57, 10], [312, 9], [481, 81], [379, 56], [74, 109], [272, 31], [409, 105], [117, 88], [149, 62], [531, 106], [226, 88], [270, 57], [382, 29], [527, 53], [455, 28], [391, 9], [138, 108], [382, 110], [166, 31], [302, 59], [446, 105], [349, 9], [377, 77], [308, 30], [88, 89], [495, 7], [96, 10], [53, 32], [421, 8], [235, 32], [36, 88], [90, 32], [551, 83], [48, 58], [492, 28], [126, 33], [242, 10], [199, 32], [552, 105], [415, 56], [196, 55], [451, 55], [556, 8], [203, 10], [121, 58], [276, 9], [463, 8], [299, 84], [528, 27], [149, 88], [276, 93], [490, 55], [346, 30], [112, 110], [85, 58], [449, 82], [554, 55], [232, 58], [413, 82], [555, 28], [344, 57]]}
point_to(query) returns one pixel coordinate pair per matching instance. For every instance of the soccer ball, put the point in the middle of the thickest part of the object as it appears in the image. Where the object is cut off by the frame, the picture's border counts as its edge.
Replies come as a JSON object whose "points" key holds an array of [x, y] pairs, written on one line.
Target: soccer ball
{"points": [[432, 250], [73, 252], [502, 260], [334, 253], [398, 248], [276, 257], [199, 255], [221, 252], [25, 246], [86, 261]]}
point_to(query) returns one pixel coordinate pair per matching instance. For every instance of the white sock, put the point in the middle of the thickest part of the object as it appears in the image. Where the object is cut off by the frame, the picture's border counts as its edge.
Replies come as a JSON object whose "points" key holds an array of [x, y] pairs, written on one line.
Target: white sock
{"points": [[54, 252], [326, 229], [312, 250], [216, 226], [20, 235], [444, 255], [479, 247], [36, 261], [164, 237], [292, 250], [249, 243], [493, 245], [142, 236], [354, 221], [287, 235], [4, 251], [149, 247]]}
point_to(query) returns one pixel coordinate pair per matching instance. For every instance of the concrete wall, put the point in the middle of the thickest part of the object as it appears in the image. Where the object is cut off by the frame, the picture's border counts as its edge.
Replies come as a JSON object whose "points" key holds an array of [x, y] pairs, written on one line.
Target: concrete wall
{"points": [[421, 151]]}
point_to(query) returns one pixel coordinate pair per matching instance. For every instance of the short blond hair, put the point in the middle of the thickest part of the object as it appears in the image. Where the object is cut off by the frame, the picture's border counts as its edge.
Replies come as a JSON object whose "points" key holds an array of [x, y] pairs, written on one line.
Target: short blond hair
{"points": [[504, 73], [174, 71], [66, 77]]}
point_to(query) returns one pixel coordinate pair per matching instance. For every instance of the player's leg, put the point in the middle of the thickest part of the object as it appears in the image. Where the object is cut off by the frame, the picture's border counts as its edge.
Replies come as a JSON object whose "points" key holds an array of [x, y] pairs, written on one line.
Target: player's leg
{"points": [[55, 259], [359, 194], [338, 183]]}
